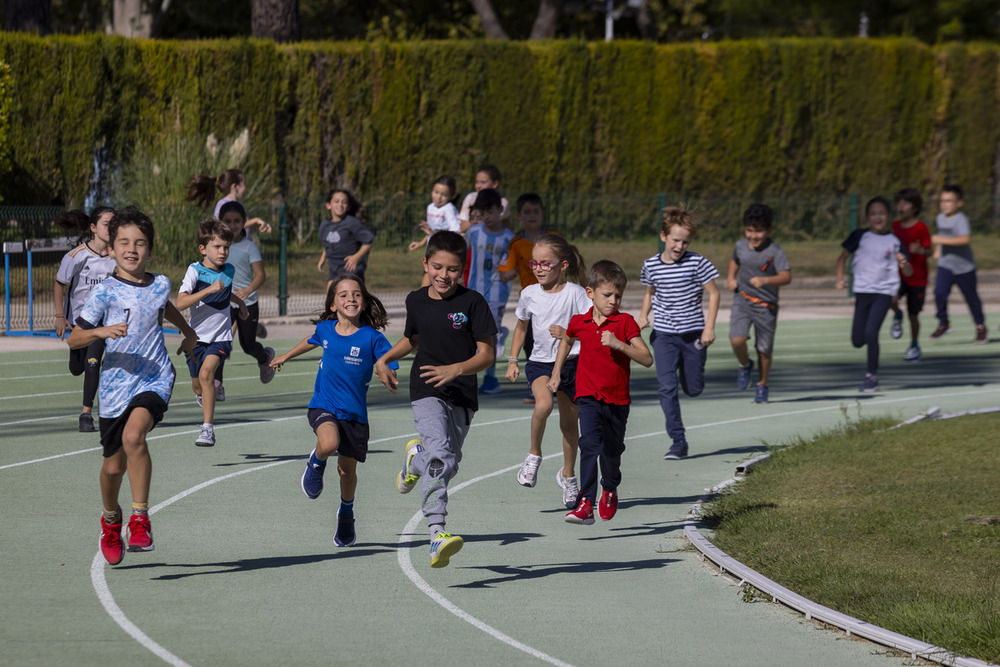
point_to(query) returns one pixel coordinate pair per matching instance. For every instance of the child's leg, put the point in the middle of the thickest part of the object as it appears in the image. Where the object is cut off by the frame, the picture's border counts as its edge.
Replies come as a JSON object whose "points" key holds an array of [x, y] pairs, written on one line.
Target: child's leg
{"points": [[862, 306], [348, 470], [246, 330], [765, 325], [569, 425], [764, 366], [206, 379], [740, 350], [92, 373], [967, 284], [140, 465], [591, 439], [442, 428], [876, 315], [613, 446], [692, 364], [942, 286], [914, 304], [112, 472], [666, 353], [543, 408], [327, 440]]}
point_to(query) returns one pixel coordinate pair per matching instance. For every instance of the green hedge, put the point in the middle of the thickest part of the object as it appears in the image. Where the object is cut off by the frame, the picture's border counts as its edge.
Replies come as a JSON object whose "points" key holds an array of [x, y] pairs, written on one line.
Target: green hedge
{"points": [[774, 116]]}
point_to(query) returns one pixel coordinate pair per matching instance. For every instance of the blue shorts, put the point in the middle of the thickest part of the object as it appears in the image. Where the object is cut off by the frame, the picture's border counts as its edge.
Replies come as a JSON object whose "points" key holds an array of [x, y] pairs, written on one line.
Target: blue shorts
{"points": [[353, 435], [196, 357], [567, 376]]}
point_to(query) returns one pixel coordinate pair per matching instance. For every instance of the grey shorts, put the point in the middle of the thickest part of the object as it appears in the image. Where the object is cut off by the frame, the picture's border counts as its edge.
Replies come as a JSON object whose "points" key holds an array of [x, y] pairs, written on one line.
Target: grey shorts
{"points": [[763, 318]]}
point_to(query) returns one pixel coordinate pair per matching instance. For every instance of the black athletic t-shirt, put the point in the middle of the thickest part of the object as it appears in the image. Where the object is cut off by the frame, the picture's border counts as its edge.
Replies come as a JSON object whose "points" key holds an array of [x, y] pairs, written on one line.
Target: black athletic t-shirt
{"points": [[447, 331]]}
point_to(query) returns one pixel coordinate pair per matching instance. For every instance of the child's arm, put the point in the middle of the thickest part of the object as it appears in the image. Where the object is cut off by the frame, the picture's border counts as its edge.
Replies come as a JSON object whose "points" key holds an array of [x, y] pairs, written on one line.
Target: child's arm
{"points": [[841, 262], [647, 304], [708, 333], [731, 283], [484, 357], [386, 375], [301, 348], [904, 265], [172, 315], [508, 276], [520, 332], [185, 300], [244, 313], [777, 280], [635, 349], [264, 227], [351, 261], [419, 244], [964, 239], [565, 345], [259, 276], [60, 300], [80, 337]]}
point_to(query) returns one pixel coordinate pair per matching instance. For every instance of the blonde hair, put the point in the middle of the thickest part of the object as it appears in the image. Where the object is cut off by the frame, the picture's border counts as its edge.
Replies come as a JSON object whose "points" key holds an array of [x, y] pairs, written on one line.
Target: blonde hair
{"points": [[566, 252], [677, 216]]}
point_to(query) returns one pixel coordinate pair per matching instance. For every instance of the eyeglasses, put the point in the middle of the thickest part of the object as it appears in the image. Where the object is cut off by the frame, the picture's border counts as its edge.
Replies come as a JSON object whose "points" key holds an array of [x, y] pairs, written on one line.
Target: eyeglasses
{"points": [[544, 266]]}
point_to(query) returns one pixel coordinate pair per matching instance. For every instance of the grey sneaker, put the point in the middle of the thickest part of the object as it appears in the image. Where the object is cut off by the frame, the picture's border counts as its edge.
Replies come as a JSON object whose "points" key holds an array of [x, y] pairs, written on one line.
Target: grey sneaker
{"points": [[528, 474], [912, 353], [266, 372], [569, 488], [896, 330], [870, 385], [206, 437], [743, 376]]}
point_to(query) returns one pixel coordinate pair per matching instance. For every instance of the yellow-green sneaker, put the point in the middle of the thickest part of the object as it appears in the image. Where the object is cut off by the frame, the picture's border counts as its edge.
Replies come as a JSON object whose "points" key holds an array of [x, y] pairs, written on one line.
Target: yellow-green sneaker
{"points": [[443, 547], [406, 478]]}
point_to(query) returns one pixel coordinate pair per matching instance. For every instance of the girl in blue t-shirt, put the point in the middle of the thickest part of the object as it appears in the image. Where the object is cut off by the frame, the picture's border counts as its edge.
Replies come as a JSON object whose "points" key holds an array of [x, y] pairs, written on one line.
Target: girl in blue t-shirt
{"points": [[338, 412]]}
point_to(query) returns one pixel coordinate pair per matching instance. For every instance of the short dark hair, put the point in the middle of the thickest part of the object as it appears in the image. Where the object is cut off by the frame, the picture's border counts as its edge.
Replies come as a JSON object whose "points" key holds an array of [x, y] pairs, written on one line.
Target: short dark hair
{"points": [[758, 215], [486, 199], [911, 195], [877, 200], [212, 227], [448, 182], [353, 205], [529, 198], [233, 205], [130, 215], [605, 272], [490, 170], [955, 189], [445, 241]]}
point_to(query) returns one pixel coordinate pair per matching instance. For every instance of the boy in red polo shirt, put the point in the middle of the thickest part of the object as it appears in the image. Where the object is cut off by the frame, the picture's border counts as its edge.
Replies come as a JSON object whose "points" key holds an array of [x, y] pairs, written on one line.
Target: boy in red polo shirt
{"points": [[608, 341], [916, 239]]}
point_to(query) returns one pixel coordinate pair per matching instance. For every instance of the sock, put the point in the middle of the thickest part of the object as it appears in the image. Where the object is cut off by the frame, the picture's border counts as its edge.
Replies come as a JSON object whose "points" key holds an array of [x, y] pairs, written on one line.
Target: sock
{"points": [[347, 507], [206, 424], [436, 530], [315, 462], [112, 517], [140, 508]]}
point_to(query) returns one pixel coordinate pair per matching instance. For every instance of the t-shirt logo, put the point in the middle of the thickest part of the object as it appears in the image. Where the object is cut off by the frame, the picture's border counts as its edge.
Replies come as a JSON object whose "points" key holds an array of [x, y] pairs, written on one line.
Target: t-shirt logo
{"points": [[333, 237], [458, 319], [355, 351]]}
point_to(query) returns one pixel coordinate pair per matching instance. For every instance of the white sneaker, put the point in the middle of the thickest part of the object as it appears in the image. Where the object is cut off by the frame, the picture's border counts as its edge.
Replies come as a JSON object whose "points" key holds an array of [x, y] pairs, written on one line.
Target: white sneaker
{"points": [[569, 487], [528, 474], [220, 393], [206, 437]]}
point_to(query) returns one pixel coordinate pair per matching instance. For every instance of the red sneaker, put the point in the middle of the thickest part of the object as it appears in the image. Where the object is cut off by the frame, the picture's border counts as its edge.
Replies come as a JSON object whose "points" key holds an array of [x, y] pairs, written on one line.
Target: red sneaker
{"points": [[608, 504], [582, 515], [140, 533], [111, 540]]}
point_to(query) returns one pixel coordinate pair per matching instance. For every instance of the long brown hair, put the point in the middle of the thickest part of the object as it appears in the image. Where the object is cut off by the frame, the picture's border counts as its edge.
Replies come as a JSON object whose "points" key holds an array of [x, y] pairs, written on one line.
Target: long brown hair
{"points": [[372, 313], [201, 188]]}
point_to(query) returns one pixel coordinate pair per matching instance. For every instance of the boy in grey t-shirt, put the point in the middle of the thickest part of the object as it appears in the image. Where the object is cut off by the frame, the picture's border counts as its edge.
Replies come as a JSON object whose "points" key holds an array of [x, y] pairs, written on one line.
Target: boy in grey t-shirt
{"points": [[955, 265], [756, 270]]}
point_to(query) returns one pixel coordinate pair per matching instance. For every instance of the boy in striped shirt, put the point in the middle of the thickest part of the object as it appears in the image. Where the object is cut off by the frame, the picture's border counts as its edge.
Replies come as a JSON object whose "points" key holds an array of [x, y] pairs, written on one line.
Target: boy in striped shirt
{"points": [[675, 281]]}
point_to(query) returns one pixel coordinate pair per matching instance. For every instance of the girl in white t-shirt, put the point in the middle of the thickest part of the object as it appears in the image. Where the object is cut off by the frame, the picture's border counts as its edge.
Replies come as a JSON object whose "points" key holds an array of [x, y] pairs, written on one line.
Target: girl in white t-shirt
{"points": [[441, 215], [547, 307]]}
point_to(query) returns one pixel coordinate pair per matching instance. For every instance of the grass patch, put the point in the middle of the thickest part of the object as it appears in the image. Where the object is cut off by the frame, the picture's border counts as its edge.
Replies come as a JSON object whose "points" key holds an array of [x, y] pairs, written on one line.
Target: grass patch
{"points": [[897, 528]]}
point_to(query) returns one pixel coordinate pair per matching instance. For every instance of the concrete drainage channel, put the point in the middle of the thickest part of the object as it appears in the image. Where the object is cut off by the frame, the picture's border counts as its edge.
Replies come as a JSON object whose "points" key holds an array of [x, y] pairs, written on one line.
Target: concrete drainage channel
{"points": [[810, 609]]}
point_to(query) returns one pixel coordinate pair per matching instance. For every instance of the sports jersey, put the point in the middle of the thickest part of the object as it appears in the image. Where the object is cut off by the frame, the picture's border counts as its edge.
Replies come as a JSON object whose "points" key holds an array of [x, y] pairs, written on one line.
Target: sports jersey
{"points": [[210, 317], [137, 362], [679, 286], [487, 251], [603, 373], [345, 371], [443, 218], [518, 256], [547, 308], [242, 254], [765, 261], [874, 264], [81, 269], [915, 233]]}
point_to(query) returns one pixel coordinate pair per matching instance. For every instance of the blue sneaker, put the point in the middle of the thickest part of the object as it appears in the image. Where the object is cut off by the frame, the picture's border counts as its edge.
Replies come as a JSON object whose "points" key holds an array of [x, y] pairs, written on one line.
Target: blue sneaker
{"points": [[406, 479], [678, 451], [443, 547], [312, 478], [743, 376], [912, 353], [761, 395], [345, 535], [490, 385]]}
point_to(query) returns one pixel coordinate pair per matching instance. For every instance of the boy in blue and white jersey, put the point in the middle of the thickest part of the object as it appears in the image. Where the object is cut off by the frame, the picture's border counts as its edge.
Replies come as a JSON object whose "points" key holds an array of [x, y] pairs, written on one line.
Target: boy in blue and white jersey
{"points": [[207, 289], [675, 281], [137, 377], [488, 241]]}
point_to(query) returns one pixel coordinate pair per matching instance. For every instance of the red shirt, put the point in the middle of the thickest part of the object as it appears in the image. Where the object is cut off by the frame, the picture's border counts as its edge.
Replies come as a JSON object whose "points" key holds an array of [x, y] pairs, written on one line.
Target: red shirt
{"points": [[601, 372], [916, 233]]}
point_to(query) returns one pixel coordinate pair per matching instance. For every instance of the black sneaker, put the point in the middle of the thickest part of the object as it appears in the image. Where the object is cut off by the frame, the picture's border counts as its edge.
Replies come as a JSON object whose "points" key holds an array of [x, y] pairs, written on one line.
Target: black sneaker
{"points": [[676, 452], [86, 422], [345, 535]]}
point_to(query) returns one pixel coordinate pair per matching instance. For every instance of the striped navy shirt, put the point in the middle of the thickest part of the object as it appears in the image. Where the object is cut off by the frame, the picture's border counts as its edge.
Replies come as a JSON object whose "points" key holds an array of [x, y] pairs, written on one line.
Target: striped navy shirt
{"points": [[679, 286]]}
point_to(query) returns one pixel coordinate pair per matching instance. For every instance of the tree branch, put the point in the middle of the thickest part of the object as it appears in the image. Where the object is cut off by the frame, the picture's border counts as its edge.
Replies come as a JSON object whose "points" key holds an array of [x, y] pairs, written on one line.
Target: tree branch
{"points": [[491, 23]]}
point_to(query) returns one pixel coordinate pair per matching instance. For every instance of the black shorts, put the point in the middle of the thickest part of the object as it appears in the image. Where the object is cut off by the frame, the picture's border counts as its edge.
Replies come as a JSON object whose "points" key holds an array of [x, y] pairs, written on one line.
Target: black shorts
{"points": [[353, 435], [112, 427], [567, 376], [914, 297], [196, 357]]}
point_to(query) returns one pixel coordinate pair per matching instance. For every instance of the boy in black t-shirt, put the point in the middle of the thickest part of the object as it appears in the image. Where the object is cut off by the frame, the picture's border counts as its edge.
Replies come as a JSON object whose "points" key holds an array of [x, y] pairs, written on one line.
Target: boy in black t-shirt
{"points": [[453, 332]]}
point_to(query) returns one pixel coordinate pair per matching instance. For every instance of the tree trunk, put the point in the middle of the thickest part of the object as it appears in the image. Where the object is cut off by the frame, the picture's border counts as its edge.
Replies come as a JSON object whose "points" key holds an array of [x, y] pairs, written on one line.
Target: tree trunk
{"points": [[491, 24], [275, 19], [129, 19], [28, 16], [547, 19]]}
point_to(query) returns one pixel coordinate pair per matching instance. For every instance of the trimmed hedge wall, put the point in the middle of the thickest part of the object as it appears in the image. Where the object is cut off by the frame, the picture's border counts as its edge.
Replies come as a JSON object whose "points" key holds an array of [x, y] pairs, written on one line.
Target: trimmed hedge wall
{"points": [[772, 116]]}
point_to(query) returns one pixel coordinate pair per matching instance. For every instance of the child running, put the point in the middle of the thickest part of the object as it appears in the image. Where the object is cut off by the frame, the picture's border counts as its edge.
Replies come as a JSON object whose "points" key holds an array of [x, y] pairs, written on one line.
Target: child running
{"points": [[345, 238], [83, 267], [338, 411], [877, 262], [609, 340], [675, 280], [488, 177], [916, 239], [441, 213], [546, 307], [756, 270], [207, 289], [453, 332], [955, 263], [137, 378]]}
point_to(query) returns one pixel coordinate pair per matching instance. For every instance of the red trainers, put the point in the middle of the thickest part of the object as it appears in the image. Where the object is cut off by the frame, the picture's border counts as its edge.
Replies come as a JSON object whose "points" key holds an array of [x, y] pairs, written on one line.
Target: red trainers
{"points": [[608, 504], [582, 515], [140, 533], [111, 540]]}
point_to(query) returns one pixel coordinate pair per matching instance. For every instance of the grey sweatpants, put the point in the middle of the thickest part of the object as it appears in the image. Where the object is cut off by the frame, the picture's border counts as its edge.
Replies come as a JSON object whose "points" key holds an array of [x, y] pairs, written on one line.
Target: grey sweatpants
{"points": [[442, 428]]}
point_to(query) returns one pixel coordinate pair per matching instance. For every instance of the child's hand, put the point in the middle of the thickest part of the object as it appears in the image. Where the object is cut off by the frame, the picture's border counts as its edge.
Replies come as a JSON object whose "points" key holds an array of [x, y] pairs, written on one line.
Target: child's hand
{"points": [[643, 321], [731, 284], [425, 227], [322, 261], [187, 345], [415, 245], [350, 263], [513, 372], [707, 336], [60, 325], [553, 383], [915, 248], [261, 225], [113, 331], [557, 331], [757, 281], [244, 313], [242, 292], [438, 376], [215, 287], [608, 339], [279, 361], [841, 283], [386, 376]]}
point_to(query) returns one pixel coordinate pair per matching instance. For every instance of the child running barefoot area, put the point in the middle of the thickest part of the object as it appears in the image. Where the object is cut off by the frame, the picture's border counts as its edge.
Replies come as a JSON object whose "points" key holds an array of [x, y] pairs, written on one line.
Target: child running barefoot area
{"points": [[348, 332]]}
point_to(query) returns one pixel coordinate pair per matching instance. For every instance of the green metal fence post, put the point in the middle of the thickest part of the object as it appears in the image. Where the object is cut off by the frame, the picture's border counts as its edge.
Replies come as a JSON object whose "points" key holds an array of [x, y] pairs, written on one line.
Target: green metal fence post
{"points": [[283, 261]]}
